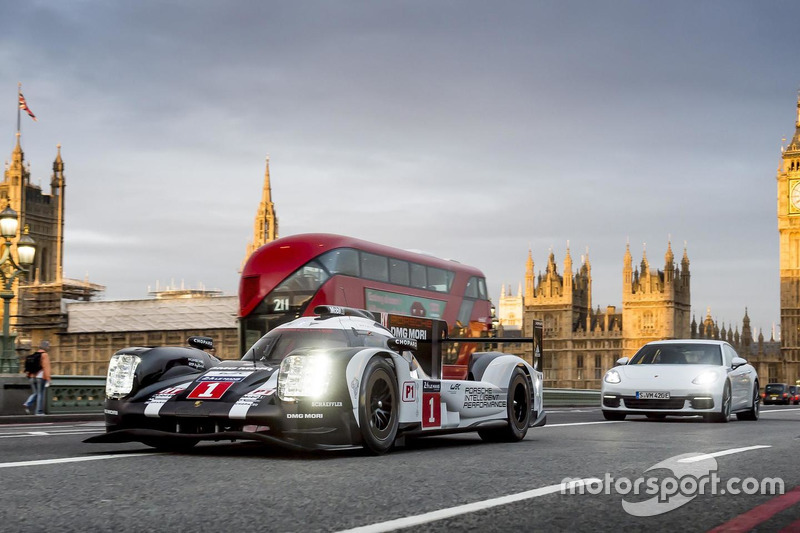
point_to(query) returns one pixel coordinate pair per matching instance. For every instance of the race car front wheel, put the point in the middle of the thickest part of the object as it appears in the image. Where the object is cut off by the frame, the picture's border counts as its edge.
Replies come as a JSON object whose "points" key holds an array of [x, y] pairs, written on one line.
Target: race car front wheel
{"points": [[518, 407], [377, 406]]}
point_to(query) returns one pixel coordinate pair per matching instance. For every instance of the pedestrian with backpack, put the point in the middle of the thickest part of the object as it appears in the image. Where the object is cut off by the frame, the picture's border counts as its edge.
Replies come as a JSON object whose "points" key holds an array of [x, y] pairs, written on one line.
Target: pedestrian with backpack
{"points": [[37, 368]]}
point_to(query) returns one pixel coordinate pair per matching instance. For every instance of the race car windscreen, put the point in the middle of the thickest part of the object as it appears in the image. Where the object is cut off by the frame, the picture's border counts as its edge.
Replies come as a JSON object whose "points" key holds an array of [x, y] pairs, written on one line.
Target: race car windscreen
{"points": [[678, 354], [279, 343]]}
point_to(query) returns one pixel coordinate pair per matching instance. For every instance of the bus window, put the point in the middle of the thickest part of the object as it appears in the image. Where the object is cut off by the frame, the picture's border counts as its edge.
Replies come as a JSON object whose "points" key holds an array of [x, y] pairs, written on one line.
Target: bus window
{"points": [[418, 277], [439, 280], [465, 312], [341, 261], [374, 267], [472, 288], [398, 271], [482, 294]]}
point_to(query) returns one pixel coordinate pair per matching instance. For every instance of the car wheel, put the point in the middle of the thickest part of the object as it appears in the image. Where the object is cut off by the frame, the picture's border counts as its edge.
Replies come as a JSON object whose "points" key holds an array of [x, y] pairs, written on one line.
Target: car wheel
{"points": [[725, 409], [518, 406], [613, 415], [172, 445], [753, 412], [377, 406]]}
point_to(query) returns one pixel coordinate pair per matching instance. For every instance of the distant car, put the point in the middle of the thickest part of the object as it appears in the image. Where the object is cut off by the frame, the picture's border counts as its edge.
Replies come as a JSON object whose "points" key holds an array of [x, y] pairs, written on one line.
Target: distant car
{"points": [[682, 378], [778, 393], [794, 394], [345, 377]]}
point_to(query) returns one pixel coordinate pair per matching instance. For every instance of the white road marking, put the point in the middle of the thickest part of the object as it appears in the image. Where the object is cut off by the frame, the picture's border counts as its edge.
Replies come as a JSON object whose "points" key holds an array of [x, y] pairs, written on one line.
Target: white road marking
{"points": [[771, 411], [73, 459], [583, 423], [450, 512], [721, 453]]}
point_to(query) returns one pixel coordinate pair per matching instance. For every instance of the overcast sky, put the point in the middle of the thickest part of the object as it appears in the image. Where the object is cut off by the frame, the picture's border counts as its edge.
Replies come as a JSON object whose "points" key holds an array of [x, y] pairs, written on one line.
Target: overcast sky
{"points": [[470, 130]]}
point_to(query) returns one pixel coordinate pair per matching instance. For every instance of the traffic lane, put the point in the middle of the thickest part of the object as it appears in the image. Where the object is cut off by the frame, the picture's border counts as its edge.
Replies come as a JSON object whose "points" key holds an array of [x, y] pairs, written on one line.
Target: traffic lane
{"points": [[340, 490], [48, 440]]}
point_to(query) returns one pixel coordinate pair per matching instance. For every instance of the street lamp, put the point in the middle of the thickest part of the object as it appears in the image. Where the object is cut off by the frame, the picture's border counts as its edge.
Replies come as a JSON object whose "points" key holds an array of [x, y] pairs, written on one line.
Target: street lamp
{"points": [[9, 271]]}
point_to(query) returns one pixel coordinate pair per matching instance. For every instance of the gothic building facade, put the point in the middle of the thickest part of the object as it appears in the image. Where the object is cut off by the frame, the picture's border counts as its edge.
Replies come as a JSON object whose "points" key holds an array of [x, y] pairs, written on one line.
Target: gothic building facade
{"points": [[582, 342]]}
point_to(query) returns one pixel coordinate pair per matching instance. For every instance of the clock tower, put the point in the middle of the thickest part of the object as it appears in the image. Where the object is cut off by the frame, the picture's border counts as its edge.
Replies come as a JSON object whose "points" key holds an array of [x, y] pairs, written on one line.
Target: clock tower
{"points": [[789, 228]]}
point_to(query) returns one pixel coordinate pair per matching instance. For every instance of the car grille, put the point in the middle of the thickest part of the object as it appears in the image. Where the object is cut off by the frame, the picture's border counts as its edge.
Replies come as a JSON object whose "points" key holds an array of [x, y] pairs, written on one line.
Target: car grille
{"points": [[673, 403]]}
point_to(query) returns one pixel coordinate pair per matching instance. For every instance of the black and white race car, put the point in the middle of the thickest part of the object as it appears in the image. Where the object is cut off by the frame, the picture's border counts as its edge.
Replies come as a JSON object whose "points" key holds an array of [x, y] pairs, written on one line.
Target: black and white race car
{"points": [[345, 377]]}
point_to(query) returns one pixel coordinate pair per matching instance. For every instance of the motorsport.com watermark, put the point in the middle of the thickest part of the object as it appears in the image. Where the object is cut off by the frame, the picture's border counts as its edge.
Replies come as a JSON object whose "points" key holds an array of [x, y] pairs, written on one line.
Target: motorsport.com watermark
{"points": [[692, 475]]}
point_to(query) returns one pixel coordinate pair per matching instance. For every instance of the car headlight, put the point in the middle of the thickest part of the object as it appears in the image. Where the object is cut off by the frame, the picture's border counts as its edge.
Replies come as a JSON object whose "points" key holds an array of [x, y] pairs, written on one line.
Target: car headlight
{"points": [[612, 376], [121, 369], [706, 378], [304, 375]]}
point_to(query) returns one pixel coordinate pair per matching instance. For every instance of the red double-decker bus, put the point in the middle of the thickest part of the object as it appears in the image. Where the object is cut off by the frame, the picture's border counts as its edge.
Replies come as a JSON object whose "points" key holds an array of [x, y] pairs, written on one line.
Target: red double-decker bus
{"points": [[289, 277]]}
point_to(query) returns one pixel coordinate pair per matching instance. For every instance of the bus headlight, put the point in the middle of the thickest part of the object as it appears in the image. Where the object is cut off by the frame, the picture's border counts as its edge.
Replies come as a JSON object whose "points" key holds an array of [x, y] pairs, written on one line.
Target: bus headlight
{"points": [[304, 375], [121, 369]]}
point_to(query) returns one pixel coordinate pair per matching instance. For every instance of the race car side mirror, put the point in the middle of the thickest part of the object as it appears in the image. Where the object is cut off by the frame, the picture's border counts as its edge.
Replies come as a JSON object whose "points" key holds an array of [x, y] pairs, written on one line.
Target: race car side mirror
{"points": [[203, 343], [622, 361], [402, 344]]}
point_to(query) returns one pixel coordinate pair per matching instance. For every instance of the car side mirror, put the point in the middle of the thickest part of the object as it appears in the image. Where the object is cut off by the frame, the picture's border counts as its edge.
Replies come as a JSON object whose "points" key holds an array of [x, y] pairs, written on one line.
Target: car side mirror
{"points": [[401, 345], [737, 362], [622, 361]]}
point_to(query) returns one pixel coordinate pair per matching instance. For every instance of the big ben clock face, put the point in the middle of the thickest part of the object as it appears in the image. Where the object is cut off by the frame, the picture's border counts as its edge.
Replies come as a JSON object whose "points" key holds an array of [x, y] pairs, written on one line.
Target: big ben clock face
{"points": [[794, 197]]}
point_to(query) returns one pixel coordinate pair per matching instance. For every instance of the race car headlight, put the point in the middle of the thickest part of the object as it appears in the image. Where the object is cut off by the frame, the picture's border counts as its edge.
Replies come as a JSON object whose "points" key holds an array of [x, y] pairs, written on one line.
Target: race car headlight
{"points": [[304, 375], [706, 378], [121, 369], [612, 376]]}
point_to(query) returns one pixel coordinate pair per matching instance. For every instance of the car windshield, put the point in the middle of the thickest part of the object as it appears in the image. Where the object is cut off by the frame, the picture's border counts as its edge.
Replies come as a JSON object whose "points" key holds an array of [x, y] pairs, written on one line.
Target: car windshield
{"points": [[678, 354], [774, 388], [279, 343]]}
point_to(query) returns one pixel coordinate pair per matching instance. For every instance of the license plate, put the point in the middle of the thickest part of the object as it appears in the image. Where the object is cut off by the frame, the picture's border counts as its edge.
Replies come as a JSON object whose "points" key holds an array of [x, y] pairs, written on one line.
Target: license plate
{"points": [[652, 396], [773, 397]]}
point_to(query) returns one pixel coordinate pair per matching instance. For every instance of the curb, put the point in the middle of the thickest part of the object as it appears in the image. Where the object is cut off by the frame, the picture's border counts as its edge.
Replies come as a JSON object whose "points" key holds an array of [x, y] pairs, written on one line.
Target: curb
{"points": [[49, 419]]}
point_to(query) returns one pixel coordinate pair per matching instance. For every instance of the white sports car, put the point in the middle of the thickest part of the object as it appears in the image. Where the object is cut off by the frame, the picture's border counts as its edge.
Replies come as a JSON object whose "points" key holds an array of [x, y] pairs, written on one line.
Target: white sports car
{"points": [[682, 378]]}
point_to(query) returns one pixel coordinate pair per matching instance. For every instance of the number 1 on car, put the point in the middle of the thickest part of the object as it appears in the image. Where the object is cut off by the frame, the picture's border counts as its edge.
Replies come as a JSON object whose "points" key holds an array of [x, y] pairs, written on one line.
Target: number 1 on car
{"points": [[431, 410], [209, 390]]}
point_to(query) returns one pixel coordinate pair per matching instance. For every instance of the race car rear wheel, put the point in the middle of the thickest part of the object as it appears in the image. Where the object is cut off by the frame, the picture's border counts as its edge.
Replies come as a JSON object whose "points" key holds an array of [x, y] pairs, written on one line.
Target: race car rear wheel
{"points": [[377, 406], [518, 408]]}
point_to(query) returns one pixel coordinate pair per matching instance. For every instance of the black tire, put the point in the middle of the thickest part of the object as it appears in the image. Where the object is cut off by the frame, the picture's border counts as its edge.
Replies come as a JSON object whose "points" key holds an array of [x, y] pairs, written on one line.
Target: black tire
{"points": [[753, 412], [377, 406], [614, 415], [172, 445], [725, 409], [656, 416], [518, 410]]}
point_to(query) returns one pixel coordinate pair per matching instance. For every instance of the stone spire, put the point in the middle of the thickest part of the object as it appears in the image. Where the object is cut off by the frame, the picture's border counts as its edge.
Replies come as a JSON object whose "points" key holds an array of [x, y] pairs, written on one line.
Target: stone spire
{"points": [[669, 264], [57, 189], [529, 281], [265, 228]]}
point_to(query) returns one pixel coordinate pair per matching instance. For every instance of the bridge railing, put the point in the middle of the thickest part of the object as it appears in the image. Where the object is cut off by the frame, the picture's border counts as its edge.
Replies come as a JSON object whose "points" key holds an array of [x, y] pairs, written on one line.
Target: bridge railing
{"points": [[76, 394], [86, 394]]}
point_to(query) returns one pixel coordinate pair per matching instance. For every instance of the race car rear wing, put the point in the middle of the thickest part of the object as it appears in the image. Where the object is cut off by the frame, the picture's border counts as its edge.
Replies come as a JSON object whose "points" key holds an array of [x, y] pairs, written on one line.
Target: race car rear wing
{"points": [[431, 336]]}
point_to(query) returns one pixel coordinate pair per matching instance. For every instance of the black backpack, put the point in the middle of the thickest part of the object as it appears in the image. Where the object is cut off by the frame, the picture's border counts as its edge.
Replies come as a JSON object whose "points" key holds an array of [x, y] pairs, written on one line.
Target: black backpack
{"points": [[33, 363]]}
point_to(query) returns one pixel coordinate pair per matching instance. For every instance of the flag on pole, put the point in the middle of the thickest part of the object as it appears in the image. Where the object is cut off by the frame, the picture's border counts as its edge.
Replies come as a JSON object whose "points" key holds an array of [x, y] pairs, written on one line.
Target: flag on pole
{"points": [[24, 106]]}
